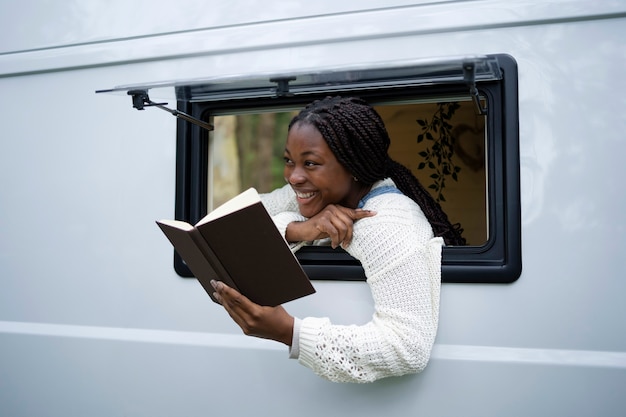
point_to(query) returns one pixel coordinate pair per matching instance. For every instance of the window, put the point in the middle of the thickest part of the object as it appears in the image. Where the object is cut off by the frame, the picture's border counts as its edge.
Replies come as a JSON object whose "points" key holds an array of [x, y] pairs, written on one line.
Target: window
{"points": [[472, 101]]}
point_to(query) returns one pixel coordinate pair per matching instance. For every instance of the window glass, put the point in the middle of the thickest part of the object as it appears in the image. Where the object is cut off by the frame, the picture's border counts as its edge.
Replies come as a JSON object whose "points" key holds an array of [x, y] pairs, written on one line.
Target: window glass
{"points": [[246, 150], [441, 142]]}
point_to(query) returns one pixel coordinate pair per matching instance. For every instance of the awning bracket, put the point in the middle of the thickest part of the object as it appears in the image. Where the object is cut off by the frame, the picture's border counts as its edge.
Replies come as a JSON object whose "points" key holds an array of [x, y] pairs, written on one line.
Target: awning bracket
{"points": [[282, 86], [469, 75], [141, 100]]}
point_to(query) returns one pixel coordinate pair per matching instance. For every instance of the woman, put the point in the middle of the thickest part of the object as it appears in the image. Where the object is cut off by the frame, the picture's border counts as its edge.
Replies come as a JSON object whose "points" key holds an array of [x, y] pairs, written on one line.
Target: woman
{"points": [[343, 187]]}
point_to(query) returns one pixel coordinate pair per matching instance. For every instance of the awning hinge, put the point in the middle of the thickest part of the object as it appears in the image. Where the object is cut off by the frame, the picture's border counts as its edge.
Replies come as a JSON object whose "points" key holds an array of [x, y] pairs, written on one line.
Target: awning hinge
{"points": [[141, 100], [282, 86], [469, 75]]}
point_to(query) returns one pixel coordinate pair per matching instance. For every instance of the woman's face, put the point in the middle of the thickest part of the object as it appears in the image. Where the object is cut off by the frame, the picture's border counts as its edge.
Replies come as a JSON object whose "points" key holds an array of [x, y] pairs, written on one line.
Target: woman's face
{"points": [[315, 174]]}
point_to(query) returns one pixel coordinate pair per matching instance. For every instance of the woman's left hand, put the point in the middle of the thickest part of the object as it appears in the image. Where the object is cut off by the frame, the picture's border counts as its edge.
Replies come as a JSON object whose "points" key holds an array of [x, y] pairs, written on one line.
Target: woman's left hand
{"points": [[265, 322]]}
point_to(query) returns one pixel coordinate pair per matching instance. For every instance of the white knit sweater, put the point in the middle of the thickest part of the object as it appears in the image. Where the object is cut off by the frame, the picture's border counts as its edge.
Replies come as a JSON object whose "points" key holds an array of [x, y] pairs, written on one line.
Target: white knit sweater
{"points": [[402, 263]]}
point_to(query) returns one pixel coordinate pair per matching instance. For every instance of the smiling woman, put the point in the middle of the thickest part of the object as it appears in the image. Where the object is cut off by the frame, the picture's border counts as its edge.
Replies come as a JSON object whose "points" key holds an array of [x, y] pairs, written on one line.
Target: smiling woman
{"points": [[344, 188]]}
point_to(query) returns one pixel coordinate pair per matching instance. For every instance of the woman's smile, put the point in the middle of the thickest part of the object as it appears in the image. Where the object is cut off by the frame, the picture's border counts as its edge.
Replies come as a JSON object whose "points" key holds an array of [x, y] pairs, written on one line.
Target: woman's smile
{"points": [[304, 196]]}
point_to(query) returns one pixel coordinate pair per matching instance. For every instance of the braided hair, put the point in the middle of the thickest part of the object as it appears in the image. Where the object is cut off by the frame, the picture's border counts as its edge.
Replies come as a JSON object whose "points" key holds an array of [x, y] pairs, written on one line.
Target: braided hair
{"points": [[357, 136]]}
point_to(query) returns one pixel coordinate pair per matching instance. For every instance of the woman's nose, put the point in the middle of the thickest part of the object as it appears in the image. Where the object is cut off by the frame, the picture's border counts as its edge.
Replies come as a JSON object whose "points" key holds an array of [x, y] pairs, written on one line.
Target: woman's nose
{"points": [[295, 176]]}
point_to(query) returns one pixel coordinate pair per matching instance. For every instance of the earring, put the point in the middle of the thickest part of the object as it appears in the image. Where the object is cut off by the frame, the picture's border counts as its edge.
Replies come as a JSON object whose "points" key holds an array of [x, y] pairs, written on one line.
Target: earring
{"points": [[355, 178]]}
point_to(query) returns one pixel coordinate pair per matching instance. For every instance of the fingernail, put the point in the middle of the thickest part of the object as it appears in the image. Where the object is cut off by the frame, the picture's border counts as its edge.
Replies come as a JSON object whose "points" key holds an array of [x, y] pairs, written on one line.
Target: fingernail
{"points": [[214, 283]]}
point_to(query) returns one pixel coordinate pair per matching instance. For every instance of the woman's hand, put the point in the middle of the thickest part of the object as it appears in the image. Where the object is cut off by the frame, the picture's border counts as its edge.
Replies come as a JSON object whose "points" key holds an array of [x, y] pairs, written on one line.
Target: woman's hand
{"points": [[334, 221], [265, 322]]}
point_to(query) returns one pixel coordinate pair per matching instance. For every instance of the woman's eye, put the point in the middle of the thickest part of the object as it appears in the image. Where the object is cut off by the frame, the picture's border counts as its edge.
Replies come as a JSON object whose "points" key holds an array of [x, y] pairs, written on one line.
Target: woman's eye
{"points": [[288, 161], [309, 163]]}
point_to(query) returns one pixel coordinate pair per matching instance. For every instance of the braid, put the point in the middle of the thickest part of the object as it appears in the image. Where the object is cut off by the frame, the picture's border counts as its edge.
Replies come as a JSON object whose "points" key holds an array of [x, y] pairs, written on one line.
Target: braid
{"points": [[357, 136], [410, 186]]}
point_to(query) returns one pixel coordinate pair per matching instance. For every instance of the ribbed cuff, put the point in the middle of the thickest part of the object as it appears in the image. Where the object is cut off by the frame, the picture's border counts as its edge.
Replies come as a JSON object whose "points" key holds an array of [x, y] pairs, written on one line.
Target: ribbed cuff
{"points": [[309, 332], [294, 349]]}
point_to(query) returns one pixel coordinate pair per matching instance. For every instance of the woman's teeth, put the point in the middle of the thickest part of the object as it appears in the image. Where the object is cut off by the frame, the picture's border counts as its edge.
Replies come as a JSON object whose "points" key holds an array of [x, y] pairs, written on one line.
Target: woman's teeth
{"points": [[305, 195]]}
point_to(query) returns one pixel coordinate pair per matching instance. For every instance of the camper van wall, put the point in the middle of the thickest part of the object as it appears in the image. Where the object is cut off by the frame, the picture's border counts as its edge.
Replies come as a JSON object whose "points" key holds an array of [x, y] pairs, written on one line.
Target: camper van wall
{"points": [[94, 319]]}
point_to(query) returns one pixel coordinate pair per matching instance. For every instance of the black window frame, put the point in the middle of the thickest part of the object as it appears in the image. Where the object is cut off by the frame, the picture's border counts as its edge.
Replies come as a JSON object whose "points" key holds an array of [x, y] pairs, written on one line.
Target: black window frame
{"points": [[499, 260]]}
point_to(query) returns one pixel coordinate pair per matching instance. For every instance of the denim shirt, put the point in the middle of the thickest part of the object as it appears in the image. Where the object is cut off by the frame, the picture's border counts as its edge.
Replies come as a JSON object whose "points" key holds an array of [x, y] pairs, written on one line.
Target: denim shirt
{"points": [[378, 191]]}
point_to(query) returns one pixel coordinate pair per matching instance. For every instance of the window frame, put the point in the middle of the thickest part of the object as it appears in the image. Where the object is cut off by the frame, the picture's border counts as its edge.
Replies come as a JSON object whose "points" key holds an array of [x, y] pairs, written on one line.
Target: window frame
{"points": [[499, 260]]}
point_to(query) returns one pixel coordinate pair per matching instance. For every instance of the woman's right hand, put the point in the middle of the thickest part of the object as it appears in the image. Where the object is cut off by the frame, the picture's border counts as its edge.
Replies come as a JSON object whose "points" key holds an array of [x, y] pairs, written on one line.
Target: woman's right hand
{"points": [[334, 221]]}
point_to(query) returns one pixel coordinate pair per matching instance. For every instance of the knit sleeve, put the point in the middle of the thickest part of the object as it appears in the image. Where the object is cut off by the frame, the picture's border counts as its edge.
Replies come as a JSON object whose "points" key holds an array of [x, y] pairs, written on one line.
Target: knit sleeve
{"points": [[280, 200], [283, 208], [402, 263]]}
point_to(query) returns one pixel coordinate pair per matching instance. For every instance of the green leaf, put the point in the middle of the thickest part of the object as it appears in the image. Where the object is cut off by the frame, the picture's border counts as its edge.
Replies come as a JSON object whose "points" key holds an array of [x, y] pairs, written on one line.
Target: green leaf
{"points": [[421, 122], [432, 186], [429, 136], [423, 154], [421, 165], [441, 198], [435, 176]]}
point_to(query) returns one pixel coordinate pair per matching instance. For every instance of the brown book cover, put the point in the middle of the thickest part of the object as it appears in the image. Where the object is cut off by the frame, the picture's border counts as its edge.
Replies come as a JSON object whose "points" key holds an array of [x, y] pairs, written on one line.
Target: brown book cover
{"points": [[238, 243]]}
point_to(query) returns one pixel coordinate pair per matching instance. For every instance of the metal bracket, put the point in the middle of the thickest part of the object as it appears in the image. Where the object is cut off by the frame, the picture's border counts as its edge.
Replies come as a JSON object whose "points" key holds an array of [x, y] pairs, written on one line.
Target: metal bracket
{"points": [[141, 100], [282, 86], [469, 75]]}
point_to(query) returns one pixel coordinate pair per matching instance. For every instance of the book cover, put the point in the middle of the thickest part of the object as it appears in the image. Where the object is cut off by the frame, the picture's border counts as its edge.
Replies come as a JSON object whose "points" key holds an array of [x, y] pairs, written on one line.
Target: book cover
{"points": [[239, 244]]}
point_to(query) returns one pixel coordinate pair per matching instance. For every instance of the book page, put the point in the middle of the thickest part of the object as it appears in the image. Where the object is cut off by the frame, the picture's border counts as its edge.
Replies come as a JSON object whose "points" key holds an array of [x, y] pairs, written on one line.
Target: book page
{"points": [[245, 199], [178, 224]]}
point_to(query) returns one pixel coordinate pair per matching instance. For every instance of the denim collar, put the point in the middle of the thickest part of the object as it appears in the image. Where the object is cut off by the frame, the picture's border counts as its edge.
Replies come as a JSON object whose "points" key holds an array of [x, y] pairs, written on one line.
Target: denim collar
{"points": [[385, 189]]}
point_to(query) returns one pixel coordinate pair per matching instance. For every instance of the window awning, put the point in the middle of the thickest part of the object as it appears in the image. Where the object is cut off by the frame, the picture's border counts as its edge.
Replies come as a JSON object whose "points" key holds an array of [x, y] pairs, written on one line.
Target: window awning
{"points": [[437, 71]]}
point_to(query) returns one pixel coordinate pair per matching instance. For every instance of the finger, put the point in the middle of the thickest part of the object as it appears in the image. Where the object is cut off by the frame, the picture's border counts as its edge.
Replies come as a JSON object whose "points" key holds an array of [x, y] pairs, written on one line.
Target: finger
{"points": [[336, 223], [232, 298], [331, 225], [237, 306], [342, 230], [326, 229], [361, 214], [343, 225], [355, 215], [216, 295], [349, 217], [243, 311], [344, 222], [227, 296]]}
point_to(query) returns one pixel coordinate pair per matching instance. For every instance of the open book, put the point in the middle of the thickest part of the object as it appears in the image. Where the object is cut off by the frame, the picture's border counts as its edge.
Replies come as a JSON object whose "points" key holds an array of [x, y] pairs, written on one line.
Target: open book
{"points": [[238, 243]]}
